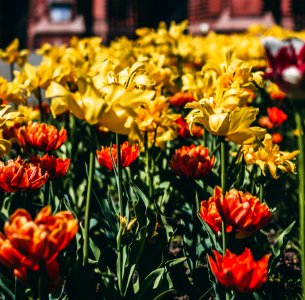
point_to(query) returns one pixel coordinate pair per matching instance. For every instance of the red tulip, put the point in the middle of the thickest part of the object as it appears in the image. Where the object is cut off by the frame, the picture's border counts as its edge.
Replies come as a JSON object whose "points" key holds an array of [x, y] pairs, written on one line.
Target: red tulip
{"points": [[128, 155], [277, 138], [183, 129], [19, 175], [41, 136], [239, 272], [209, 213], [276, 115], [241, 211], [56, 167], [181, 98], [192, 162]]}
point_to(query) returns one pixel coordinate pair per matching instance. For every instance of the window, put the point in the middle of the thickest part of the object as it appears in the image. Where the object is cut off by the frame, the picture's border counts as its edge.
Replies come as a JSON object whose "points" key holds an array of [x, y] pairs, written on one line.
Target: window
{"points": [[60, 12]]}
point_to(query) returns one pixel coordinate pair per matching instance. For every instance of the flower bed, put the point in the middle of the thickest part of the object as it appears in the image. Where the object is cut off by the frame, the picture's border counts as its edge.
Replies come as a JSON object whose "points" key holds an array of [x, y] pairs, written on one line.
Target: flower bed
{"points": [[166, 167]]}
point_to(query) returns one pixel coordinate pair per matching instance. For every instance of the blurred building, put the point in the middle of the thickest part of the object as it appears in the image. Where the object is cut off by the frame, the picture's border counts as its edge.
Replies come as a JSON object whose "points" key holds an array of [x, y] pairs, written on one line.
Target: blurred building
{"points": [[238, 15], [55, 21]]}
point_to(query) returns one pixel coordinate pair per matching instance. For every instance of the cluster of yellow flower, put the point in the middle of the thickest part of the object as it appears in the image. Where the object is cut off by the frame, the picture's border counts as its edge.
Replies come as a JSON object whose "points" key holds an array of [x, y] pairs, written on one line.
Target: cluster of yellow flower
{"points": [[124, 88]]}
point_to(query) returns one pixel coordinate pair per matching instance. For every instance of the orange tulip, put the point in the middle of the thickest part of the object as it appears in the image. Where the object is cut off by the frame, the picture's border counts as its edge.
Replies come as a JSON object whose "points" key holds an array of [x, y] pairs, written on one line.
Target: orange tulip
{"points": [[277, 137], [209, 213], [244, 212], [181, 98], [56, 167], [129, 154], [41, 136], [239, 272], [265, 122], [19, 175], [30, 244], [192, 162]]}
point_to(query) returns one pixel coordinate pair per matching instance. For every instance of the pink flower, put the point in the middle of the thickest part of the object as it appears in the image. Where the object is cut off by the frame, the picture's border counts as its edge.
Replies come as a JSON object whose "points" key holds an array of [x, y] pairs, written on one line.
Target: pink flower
{"points": [[286, 59]]}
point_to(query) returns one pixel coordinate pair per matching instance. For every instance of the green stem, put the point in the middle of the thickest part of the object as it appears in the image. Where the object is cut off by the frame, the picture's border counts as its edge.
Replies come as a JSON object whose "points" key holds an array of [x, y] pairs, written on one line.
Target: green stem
{"points": [[42, 289], [12, 71], [120, 260], [147, 161], [88, 196], [47, 194], [120, 176], [194, 232], [261, 191], [34, 283], [39, 98], [223, 161], [149, 166], [52, 198], [19, 290], [301, 174], [120, 270]]}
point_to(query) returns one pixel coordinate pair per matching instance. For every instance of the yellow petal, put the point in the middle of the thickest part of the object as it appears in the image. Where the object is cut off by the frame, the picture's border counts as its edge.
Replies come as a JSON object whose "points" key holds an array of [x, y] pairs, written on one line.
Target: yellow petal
{"points": [[219, 123]]}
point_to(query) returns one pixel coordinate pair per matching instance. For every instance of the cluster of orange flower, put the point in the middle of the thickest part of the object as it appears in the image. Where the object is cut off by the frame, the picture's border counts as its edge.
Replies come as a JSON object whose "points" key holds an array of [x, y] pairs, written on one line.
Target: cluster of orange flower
{"points": [[29, 245]]}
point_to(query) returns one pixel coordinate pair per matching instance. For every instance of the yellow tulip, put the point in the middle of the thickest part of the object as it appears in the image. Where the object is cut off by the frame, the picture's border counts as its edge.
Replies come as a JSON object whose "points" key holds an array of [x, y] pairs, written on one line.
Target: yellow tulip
{"points": [[5, 115], [157, 121], [112, 106], [12, 55], [14, 91], [268, 156], [233, 125], [131, 77], [36, 77]]}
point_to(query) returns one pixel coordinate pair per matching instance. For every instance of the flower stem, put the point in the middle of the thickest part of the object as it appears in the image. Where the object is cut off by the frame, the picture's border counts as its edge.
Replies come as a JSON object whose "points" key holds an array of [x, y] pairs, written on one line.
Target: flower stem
{"points": [[223, 162], [120, 176], [12, 71], [194, 232], [47, 193], [120, 259], [301, 174], [39, 98], [19, 290], [88, 196], [42, 289], [149, 167], [261, 192], [122, 208]]}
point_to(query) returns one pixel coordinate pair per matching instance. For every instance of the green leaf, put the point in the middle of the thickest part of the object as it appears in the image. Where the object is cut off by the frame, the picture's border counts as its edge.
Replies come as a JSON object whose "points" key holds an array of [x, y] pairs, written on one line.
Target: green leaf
{"points": [[108, 213], [168, 228], [279, 246], [158, 283], [95, 250], [212, 236], [164, 294], [256, 296], [139, 193], [4, 283], [173, 262]]}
